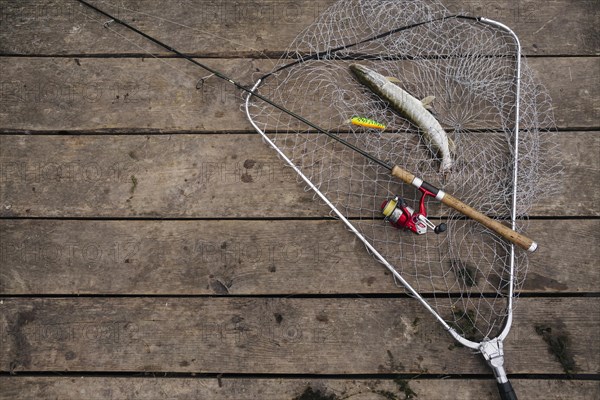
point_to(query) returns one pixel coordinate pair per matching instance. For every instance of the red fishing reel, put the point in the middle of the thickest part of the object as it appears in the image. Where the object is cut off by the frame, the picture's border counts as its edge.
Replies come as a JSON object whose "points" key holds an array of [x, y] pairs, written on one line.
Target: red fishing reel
{"points": [[401, 216]]}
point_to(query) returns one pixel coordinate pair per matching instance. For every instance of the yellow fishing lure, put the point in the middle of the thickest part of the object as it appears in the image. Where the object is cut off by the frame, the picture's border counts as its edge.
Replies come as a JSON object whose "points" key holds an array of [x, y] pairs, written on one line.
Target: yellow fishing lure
{"points": [[366, 123]]}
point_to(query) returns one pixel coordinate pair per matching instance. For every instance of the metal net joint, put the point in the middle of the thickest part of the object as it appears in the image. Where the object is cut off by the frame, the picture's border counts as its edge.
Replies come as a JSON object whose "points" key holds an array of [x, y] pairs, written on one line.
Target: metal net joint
{"points": [[493, 352]]}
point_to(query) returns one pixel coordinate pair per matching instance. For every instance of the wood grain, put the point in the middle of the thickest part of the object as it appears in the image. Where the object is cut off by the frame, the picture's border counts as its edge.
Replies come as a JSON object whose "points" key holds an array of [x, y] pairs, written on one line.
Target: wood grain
{"points": [[41, 257], [250, 28], [205, 176], [263, 335], [126, 95], [64, 74], [147, 388]]}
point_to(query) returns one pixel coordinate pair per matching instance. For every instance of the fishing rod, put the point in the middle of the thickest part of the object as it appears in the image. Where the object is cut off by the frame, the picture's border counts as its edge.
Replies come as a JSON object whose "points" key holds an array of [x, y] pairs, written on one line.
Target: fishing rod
{"points": [[238, 85], [426, 188]]}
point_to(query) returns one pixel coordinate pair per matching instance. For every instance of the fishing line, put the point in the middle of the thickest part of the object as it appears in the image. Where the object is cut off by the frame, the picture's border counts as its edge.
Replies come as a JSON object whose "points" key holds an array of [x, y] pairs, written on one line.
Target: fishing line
{"points": [[325, 54], [107, 25]]}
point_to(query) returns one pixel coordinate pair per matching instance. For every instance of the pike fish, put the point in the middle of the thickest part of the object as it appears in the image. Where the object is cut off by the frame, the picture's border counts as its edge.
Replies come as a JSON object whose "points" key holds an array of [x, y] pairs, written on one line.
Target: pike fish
{"points": [[416, 111]]}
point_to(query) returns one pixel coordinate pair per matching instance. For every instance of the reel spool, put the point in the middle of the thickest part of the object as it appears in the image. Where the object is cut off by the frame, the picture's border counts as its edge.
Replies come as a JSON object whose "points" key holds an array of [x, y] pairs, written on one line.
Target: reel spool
{"points": [[401, 216]]}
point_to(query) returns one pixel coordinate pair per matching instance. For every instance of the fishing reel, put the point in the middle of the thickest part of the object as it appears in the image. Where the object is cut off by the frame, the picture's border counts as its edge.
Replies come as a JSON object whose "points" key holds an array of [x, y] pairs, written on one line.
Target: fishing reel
{"points": [[401, 216]]}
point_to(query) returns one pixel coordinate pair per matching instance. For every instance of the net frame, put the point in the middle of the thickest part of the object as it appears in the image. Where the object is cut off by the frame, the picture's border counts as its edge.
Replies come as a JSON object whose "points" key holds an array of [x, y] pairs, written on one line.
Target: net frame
{"points": [[490, 348]]}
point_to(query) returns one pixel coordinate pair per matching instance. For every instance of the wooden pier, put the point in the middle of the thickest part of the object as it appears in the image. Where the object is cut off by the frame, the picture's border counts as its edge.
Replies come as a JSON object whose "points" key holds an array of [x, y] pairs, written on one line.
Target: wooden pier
{"points": [[153, 247]]}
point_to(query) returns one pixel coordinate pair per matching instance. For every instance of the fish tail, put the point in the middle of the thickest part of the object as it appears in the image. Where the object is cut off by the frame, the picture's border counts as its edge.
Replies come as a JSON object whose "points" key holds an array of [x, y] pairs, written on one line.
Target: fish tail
{"points": [[446, 165]]}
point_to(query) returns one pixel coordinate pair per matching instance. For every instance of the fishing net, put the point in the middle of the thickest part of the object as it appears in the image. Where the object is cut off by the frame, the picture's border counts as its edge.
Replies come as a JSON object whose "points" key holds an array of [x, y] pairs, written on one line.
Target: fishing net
{"points": [[471, 69]]}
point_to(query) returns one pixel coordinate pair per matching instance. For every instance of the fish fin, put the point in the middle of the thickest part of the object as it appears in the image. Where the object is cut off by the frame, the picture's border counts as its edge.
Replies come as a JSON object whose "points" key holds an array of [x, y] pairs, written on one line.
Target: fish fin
{"points": [[392, 79], [451, 145], [427, 102], [446, 167]]}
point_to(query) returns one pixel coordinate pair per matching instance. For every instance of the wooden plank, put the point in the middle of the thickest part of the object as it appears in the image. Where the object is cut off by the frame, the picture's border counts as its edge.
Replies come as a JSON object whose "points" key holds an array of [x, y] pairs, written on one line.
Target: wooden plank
{"points": [[263, 335], [203, 176], [66, 388], [161, 95], [114, 95], [244, 28], [150, 176], [535, 21], [244, 258], [573, 84]]}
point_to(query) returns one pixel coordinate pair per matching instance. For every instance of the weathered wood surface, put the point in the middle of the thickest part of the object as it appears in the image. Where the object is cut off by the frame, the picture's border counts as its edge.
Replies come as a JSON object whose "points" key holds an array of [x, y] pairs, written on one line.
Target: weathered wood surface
{"points": [[245, 28], [66, 388], [244, 258], [160, 95], [263, 335], [204, 176], [217, 177]]}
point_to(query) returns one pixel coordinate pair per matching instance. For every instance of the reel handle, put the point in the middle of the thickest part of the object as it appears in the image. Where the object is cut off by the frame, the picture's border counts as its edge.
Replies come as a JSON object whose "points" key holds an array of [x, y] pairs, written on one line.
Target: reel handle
{"points": [[514, 237]]}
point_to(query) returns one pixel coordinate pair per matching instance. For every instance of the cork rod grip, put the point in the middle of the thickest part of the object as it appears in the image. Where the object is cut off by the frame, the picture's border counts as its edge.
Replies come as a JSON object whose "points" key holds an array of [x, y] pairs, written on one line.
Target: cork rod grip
{"points": [[501, 229], [451, 201]]}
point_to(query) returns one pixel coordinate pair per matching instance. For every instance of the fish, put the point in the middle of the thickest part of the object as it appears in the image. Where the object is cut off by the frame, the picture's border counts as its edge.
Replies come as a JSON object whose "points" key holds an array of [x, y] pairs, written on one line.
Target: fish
{"points": [[366, 123], [416, 111]]}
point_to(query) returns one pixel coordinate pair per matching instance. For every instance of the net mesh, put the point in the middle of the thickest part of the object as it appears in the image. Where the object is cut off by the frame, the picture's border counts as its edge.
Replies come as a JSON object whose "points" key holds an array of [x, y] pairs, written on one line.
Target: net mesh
{"points": [[470, 68]]}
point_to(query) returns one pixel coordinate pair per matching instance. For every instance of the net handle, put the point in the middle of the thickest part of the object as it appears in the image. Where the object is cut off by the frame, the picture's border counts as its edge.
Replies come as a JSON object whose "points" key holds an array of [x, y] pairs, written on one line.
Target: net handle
{"points": [[507, 233]]}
